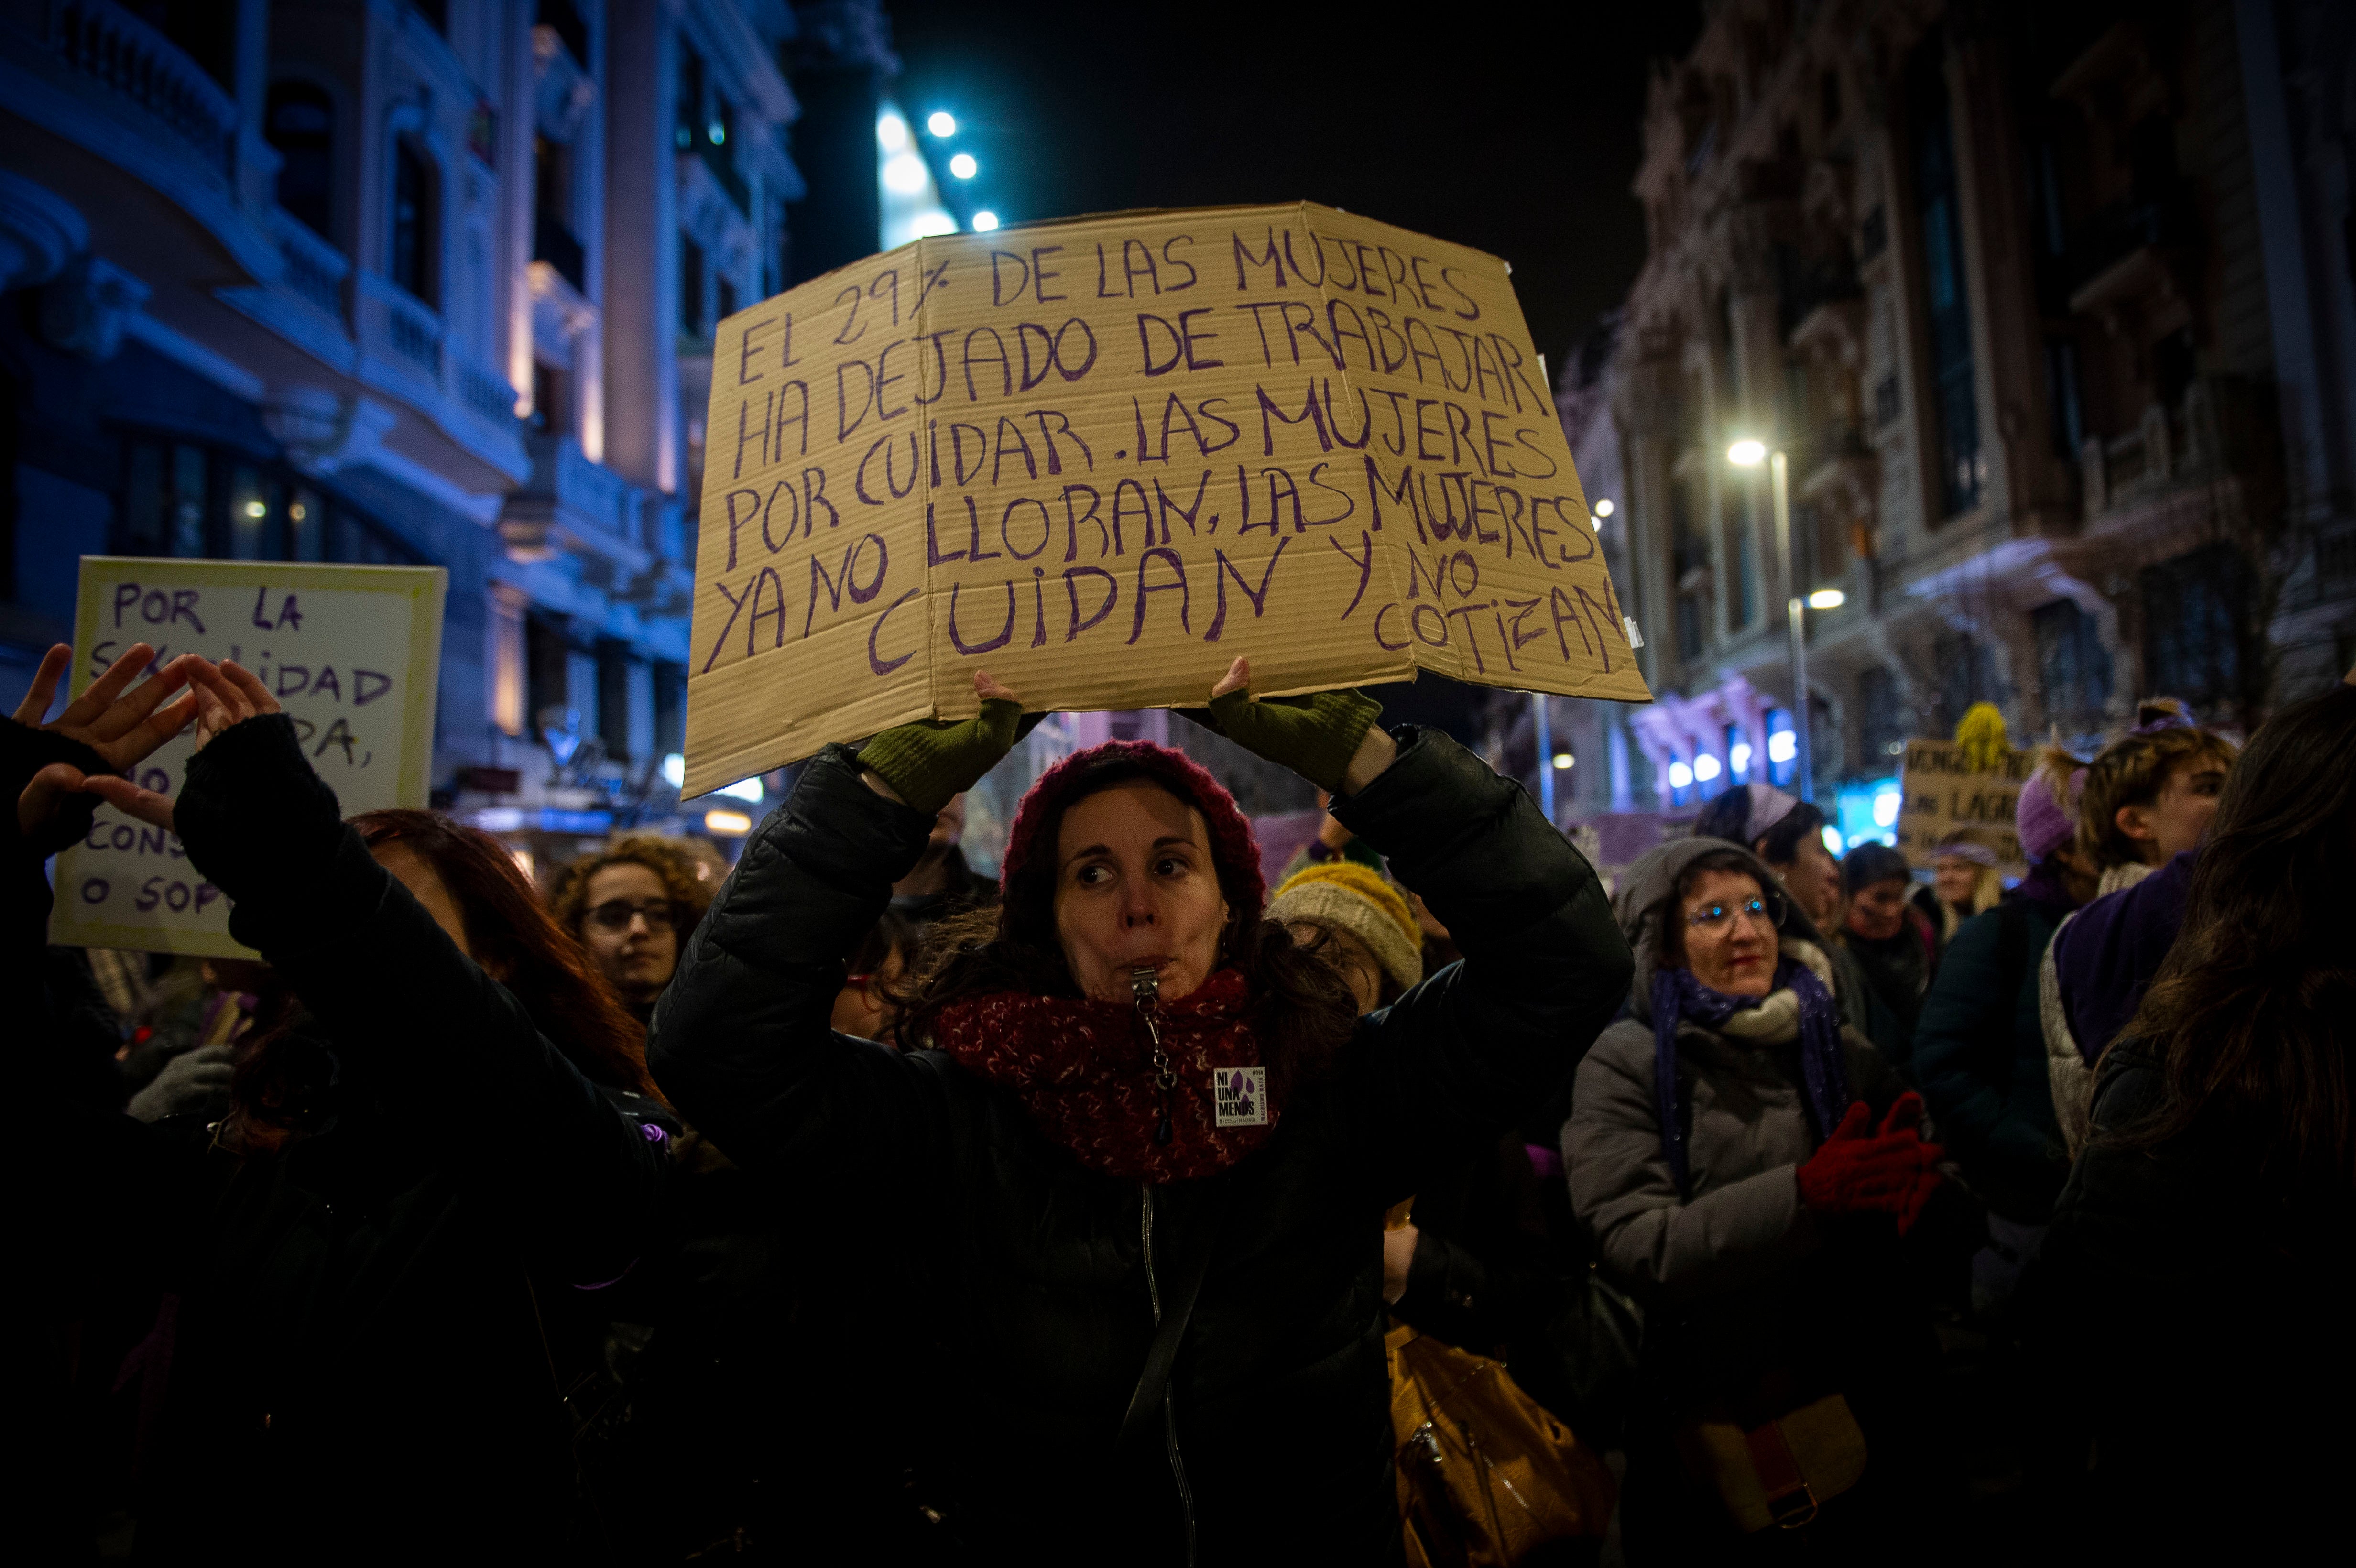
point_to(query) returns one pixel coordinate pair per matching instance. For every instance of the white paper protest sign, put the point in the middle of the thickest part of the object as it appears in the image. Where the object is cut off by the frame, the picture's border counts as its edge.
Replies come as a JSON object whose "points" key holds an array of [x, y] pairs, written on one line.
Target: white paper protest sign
{"points": [[353, 652]]}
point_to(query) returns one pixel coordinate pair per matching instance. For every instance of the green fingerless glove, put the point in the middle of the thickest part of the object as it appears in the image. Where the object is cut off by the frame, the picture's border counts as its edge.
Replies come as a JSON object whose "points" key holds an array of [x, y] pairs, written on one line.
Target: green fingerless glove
{"points": [[1315, 735], [928, 761]]}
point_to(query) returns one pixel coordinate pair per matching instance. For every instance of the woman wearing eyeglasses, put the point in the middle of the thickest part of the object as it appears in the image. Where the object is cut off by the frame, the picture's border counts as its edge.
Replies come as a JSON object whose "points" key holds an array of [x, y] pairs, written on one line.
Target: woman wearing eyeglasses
{"points": [[633, 907], [1747, 1167]]}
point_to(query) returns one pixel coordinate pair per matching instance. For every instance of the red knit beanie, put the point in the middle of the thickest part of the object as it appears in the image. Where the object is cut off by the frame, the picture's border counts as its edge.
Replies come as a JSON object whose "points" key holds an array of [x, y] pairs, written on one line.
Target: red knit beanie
{"points": [[1233, 846]]}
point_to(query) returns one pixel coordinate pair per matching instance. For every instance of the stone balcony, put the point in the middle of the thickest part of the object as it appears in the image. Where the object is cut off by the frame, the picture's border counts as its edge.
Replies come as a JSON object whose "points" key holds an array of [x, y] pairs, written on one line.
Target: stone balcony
{"points": [[89, 94], [109, 46], [2208, 437], [570, 503], [307, 306], [631, 546], [405, 351]]}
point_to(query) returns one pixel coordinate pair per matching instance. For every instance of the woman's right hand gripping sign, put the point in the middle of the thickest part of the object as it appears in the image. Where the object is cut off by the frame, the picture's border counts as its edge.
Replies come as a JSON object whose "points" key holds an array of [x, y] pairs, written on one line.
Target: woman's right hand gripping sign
{"points": [[1329, 738]]}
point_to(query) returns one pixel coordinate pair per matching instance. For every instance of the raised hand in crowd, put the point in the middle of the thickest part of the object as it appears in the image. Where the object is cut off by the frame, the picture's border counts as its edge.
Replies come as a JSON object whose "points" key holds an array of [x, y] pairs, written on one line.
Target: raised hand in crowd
{"points": [[47, 765], [1329, 738], [220, 695], [926, 764], [436, 1157], [108, 730]]}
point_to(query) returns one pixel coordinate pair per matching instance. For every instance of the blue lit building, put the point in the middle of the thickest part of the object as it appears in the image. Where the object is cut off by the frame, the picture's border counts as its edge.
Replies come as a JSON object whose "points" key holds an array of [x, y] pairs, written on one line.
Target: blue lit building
{"points": [[397, 280]]}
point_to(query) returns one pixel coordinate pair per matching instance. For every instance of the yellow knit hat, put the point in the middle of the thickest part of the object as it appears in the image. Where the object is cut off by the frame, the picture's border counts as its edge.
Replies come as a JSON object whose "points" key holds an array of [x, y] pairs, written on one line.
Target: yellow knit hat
{"points": [[1352, 898]]}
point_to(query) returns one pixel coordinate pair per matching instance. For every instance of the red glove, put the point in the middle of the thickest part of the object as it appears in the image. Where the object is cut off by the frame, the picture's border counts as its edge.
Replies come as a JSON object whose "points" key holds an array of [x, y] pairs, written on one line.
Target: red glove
{"points": [[1891, 1172]]}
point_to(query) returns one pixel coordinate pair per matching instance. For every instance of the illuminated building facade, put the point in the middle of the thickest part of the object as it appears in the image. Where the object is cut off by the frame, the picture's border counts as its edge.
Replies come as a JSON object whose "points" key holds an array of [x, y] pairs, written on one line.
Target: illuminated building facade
{"points": [[2051, 308], [418, 281]]}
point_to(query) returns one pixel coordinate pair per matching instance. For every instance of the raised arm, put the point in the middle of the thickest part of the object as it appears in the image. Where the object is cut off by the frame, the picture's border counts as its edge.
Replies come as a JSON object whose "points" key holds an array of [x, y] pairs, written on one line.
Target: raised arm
{"points": [[414, 1020], [105, 1195], [46, 768], [741, 1039], [1472, 1048], [1468, 1050], [742, 1042]]}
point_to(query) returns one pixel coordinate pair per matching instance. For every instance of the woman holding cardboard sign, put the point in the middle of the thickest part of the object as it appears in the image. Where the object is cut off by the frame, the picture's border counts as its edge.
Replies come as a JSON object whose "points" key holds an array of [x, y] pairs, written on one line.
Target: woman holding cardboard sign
{"points": [[1140, 1146]]}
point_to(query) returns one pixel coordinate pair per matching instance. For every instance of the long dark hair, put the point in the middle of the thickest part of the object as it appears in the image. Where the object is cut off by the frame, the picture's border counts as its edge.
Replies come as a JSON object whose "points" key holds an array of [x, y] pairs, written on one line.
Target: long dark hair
{"points": [[2255, 1008], [279, 1087], [1302, 1012]]}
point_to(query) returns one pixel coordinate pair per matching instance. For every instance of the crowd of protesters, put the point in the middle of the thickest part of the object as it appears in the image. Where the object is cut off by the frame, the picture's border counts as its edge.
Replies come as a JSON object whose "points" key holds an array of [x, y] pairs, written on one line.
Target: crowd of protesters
{"points": [[857, 1208]]}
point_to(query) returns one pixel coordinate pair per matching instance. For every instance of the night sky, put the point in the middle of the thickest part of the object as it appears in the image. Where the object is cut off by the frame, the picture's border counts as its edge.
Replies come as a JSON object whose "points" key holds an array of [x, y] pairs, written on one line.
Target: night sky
{"points": [[1511, 128]]}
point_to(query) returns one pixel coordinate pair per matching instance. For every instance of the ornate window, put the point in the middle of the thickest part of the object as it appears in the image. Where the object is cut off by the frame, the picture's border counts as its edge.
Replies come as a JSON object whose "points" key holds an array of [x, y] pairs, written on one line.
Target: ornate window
{"points": [[2193, 610], [300, 123], [416, 228], [1961, 465], [2073, 670], [196, 501]]}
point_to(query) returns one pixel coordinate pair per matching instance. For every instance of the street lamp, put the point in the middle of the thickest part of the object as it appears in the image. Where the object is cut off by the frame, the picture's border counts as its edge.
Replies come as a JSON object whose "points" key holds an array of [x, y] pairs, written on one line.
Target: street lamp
{"points": [[1542, 739], [1749, 452]]}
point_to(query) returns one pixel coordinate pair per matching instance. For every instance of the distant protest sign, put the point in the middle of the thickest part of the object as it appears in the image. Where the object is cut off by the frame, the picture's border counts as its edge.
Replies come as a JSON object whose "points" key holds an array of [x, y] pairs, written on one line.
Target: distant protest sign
{"points": [[1102, 458], [1941, 796], [352, 653]]}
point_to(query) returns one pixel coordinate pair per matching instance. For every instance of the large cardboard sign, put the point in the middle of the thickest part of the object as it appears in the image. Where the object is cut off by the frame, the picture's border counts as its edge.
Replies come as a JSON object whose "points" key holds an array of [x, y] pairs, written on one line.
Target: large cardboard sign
{"points": [[1102, 458], [1941, 796], [352, 652]]}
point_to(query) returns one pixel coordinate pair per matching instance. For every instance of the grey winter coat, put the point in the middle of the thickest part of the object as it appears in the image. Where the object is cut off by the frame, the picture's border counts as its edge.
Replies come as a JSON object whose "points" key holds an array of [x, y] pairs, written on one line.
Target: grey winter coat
{"points": [[1742, 1224], [1755, 1306], [1722, 1269]]}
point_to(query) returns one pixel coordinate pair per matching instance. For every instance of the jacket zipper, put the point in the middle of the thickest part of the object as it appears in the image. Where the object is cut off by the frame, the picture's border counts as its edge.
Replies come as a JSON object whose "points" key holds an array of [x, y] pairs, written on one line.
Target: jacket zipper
{"points": [[1170, 1391]]}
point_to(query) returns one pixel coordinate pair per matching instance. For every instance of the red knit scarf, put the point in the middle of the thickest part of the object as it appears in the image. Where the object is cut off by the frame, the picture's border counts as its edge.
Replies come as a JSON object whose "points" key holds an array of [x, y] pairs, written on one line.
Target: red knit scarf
{"points": [[1083, 1070]]}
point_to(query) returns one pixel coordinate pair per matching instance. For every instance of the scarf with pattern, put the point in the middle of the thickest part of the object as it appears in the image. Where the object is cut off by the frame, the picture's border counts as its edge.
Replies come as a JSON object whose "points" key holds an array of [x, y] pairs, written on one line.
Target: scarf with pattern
{"points": [[1678, 998], [1084, 1070]]}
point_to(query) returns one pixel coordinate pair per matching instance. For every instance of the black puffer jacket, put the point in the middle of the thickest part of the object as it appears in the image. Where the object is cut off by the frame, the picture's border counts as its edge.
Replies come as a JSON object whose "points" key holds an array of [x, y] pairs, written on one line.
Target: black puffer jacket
{"points": [[1038, 1271], [352, 1357]]}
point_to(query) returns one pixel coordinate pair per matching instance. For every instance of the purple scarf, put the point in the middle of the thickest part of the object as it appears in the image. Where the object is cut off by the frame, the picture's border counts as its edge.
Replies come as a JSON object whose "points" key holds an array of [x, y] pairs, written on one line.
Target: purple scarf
{"points": [[1678, 998]]}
